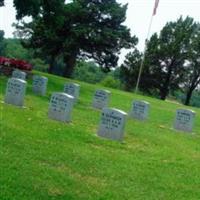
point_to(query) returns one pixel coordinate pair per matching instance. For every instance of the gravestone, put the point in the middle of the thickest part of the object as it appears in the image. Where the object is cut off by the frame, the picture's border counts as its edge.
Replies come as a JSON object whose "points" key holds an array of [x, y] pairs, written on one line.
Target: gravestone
{"points": [[112, 124], [60, 107], [72, 89], [15, 92], [101, 99], [140, 110], [39, 85], [19, 74], [184, 120]]}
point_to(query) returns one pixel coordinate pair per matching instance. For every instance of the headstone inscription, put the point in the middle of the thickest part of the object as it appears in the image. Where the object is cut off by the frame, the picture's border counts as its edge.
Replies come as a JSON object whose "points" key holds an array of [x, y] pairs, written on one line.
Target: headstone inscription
{"points": [[19, 74], [72, 89], [184, 120], [15, 92], [112, 124], [101, 99], [60, 107], [140, 110], [39, 85]]}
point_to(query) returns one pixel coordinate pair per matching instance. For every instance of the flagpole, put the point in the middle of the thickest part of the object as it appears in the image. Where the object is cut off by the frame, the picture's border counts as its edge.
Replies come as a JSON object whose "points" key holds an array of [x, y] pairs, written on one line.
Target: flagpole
{"points": [[145, 48]]}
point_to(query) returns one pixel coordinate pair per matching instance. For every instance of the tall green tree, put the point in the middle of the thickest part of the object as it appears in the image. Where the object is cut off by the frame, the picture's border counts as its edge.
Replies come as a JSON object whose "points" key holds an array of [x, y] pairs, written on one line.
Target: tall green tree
{"points": [[41, 34], [167, 53], [192, 75], [129, 69], [2, 43], [1, 3], [14, 49], [78, 29]]}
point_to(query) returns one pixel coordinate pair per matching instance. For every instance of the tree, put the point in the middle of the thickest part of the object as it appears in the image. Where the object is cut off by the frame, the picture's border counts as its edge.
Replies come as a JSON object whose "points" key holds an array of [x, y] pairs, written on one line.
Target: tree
{"points": [[129, 69], [14, 49], [167, 53], [192, 75], [1, 3], [2, 43], [41, 34], [78, 29], [88, 72]]}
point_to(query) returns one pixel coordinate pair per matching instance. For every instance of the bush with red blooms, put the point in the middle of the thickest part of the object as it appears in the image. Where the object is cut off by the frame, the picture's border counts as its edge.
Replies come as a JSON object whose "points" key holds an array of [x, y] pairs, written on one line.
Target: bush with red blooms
{"points": [[15, 63]]}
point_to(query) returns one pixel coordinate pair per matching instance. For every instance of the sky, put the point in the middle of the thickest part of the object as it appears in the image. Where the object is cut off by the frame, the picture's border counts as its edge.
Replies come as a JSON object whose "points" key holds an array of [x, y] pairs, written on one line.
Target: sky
{"points": [[138, 16]]}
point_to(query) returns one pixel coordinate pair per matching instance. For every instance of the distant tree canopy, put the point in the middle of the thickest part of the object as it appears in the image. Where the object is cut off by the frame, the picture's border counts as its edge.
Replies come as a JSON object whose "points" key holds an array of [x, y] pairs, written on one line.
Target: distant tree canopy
{"points": [[77, 29], [2, 43], [130, 69], [1, 3], [14, 49], [167, 54], [192, 76], [172, 60]]}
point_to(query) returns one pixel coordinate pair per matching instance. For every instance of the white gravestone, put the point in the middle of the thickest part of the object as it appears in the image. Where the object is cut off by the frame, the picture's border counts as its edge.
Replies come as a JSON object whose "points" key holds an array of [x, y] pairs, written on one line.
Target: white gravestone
{"points": [[112, 124], [140, 110], [40, 85], [19, 74], [184, 120], [101, 99], [60, 107], [15, 91], [72, 89]]}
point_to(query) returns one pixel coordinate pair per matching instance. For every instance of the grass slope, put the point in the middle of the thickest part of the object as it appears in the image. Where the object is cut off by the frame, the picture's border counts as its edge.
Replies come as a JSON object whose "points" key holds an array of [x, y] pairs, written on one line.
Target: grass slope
{"points": [[42, 159]]}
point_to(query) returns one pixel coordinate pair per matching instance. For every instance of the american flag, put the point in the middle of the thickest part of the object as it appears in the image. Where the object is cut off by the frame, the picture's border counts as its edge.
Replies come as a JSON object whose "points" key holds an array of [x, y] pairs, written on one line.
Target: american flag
{"points": [[155, 7]]}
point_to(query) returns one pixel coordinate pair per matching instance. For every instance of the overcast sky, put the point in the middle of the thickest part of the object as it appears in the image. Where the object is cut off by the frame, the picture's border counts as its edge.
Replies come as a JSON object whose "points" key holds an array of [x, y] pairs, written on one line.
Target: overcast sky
{"points": [[138, 16]]}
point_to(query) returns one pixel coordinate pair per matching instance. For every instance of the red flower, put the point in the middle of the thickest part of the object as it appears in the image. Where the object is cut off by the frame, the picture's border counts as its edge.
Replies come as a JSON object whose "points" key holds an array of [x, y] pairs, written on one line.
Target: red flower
{"points": [[15, 63]]}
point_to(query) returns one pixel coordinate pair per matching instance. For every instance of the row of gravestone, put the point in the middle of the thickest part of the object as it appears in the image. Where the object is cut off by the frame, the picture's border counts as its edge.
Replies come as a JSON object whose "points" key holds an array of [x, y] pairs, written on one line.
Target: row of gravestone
{"points": [[61, 104]]}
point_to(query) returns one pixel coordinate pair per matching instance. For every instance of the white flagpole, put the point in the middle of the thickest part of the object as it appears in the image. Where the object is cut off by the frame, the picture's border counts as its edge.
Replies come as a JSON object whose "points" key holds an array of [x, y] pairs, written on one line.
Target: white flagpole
{"points": [[145, 48]]}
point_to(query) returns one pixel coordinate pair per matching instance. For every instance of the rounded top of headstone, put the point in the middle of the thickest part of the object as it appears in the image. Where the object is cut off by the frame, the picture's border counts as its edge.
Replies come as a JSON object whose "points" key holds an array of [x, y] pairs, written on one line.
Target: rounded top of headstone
{"points": [[44, 77], [141, 101], [115, 110], [38, 76], [63, 94], [185, 110], [17, 80], [76, 84], [102, 90], [19, 71]]}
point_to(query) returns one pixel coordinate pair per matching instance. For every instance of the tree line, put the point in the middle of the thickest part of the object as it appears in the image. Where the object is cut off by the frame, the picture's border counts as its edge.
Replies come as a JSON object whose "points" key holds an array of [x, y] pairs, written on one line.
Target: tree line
{"points": [[62, 33], [172, 61]]}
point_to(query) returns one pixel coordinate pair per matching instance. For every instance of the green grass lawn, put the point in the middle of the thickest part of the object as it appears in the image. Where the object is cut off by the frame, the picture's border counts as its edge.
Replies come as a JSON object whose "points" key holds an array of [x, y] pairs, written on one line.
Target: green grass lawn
{"points": [[42, 159]]}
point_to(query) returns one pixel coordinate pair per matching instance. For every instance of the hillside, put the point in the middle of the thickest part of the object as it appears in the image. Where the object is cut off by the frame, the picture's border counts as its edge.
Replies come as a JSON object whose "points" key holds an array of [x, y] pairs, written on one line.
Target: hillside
{"points": [[42, 159]]}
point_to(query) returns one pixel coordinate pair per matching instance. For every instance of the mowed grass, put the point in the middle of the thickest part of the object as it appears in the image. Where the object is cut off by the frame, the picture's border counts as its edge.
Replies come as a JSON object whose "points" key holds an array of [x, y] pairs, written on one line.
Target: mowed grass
{"points": [[42, 159]]}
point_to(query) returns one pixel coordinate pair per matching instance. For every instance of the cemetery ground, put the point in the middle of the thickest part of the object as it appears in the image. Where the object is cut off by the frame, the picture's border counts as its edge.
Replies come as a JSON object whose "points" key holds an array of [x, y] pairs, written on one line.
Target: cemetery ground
{"points": [[42, 159]]}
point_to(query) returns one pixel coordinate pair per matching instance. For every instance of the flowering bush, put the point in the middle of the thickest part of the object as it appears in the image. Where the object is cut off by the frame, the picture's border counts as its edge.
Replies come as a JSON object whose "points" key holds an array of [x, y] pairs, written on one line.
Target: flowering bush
{"points": [[15, 63]]}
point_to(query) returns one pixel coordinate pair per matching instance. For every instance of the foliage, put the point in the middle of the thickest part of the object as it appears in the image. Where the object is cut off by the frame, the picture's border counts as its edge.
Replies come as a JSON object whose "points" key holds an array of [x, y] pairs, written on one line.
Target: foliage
{"points": [[88, 72], [91, 73], [39, 65], [1, 3], [14, 49], [129, 69], [195, 99], [15, 63], [192, 76], [2, 43], [110, 82], [167, 53], [181, 97], [45, 159], [76, 29]]}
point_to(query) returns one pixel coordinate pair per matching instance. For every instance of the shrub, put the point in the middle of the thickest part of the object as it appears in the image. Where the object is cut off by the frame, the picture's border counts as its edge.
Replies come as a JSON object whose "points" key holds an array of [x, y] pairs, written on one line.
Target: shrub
{"points": [[109, 81], [15, 63]]}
